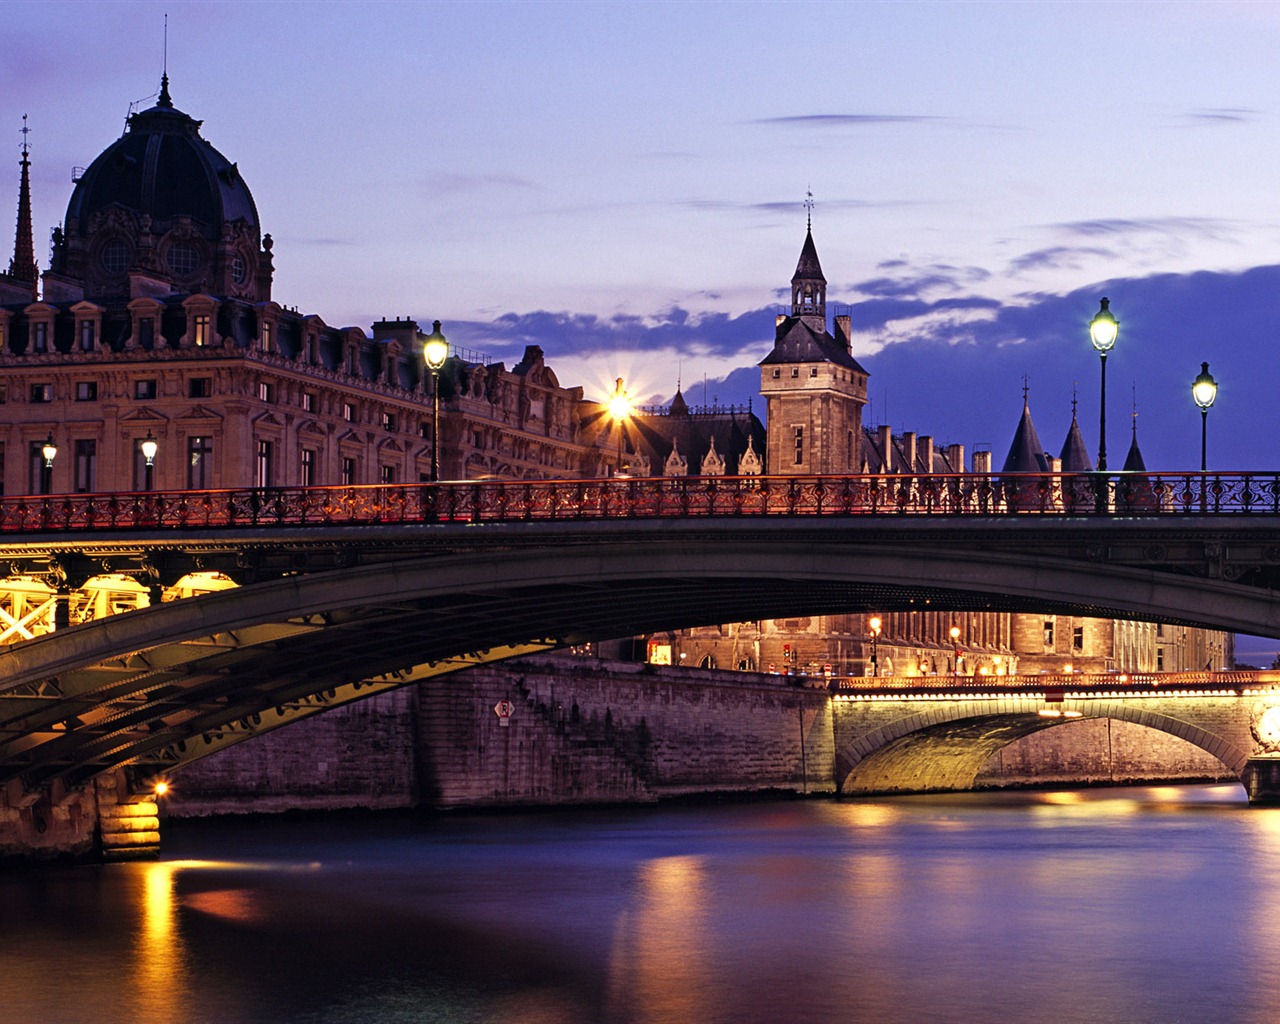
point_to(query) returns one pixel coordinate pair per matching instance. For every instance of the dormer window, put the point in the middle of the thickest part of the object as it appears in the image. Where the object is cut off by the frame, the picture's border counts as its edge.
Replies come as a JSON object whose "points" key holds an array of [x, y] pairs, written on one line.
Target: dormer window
{"points": [[87, 334], [268, 341], [200, 330], [40, 343]]}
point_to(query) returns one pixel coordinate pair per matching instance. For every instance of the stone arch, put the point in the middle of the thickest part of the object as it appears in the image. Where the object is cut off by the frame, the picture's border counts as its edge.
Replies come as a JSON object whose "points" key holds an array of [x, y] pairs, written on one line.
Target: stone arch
{"points": [[942, 747]]}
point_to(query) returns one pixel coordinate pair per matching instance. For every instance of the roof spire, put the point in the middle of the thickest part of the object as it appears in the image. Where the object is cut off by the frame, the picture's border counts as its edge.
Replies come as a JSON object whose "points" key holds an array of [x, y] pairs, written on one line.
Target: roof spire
{"points": [[165, 100], [1026, 390], [808, 205], [23, 265], [1134, 462]]}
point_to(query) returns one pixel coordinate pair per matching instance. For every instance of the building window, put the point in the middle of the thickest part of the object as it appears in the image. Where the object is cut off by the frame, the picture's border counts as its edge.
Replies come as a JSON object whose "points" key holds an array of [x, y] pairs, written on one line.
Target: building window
{"points": [[776, 373], [86, 391], [813, 371], [307, 467], [1048, 633], [1159, 659], [795, 371], [199, 463], [39, 476], [308, 401], [268, 342], [348, 472], [424, 430], [1077, 638], [388, 421], [200, 387], [201, 328], [263, 470], [144, 389], [353, 361], [349, 411], [41, 393], [266, 392], [311, 349], [1, 467], [4, 392], [799, 443], [86, 466], [387, 474], [147, 332], [87, 333], [40, 343]]}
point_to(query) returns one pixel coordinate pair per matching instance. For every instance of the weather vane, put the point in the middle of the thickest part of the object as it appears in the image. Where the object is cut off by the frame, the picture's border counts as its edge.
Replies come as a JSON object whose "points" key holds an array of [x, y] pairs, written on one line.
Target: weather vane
{"points": [[808, 205], [25, 132]]}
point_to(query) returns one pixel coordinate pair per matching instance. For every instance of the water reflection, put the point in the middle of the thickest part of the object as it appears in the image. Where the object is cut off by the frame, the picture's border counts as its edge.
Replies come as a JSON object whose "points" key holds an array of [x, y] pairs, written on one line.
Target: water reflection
{"points": [[1136, 905]]}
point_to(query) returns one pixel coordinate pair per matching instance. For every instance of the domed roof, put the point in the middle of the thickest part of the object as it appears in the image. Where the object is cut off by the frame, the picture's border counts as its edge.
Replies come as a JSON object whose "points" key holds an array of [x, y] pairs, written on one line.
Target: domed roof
{"points": [[161, 210], [161, 167]]}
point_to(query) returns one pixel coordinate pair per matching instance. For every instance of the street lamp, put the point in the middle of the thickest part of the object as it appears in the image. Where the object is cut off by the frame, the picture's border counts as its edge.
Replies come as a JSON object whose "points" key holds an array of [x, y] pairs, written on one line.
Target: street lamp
{"points": [[149, 447], [619, 407], [955, 644], [1204, 389], [435, 350], [1103, 329], [875, 623], [50, 452]]}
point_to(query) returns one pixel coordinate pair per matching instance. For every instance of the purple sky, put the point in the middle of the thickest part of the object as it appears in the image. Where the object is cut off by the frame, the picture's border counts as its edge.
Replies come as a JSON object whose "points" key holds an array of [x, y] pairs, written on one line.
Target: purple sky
{"points": [[623, 184]]}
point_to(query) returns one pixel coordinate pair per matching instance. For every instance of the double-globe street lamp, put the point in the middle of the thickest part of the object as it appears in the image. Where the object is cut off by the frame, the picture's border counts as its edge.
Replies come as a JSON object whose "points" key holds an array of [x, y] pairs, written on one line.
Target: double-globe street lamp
{"points": [[435, 350], [1204, 389]]}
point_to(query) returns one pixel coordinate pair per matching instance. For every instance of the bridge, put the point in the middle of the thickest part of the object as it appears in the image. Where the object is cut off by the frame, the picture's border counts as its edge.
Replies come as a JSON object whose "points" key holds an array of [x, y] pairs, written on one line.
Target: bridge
{"points": [[339, 593]]}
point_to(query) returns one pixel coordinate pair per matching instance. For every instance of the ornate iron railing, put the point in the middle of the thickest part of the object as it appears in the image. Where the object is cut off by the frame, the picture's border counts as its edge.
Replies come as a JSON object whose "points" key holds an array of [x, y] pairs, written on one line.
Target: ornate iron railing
{"points": [[505, 501]]}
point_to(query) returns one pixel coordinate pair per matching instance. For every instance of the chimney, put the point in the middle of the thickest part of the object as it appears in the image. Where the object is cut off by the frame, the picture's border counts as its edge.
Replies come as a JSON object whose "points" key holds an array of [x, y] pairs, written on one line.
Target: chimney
{"points": [[955, 457], [844, 332], [926, 453], [982, 462], [909, 451], [885, 443]]}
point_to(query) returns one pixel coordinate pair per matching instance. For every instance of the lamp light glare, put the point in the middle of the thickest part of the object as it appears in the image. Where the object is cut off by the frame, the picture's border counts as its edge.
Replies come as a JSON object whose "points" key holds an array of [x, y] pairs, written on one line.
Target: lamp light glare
{"points": [[435, 349], [1104, 328], [1204, 389]]}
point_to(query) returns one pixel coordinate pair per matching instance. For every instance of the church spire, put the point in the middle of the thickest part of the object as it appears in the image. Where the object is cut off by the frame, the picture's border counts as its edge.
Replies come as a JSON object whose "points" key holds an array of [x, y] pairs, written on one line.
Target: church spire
{"points": [[23, 265], [808, 286]]}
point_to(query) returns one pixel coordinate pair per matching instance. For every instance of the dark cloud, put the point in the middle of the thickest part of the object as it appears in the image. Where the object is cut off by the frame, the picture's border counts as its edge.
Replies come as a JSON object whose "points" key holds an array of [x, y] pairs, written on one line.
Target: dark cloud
{"points": [[452, 184], [953, 367]]}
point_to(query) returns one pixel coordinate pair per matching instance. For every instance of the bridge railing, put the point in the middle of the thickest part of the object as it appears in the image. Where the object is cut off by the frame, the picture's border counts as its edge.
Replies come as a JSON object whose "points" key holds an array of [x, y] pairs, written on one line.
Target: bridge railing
{"points": [[482, 501], [1059, 683]]}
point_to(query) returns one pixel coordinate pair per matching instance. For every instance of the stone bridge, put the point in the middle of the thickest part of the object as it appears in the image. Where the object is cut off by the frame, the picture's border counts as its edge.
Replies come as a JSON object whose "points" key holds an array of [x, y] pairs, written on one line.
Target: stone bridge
{"points": [[936, 738]]}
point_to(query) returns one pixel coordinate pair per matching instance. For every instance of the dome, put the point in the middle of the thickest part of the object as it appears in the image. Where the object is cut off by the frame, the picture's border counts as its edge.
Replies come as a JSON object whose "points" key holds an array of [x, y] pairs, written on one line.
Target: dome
{"points": [[163, 201]]}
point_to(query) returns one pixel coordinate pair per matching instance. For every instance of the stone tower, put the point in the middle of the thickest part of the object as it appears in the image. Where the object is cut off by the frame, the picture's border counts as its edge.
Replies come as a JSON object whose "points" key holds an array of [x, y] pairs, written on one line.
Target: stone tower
{"points": [[813, 388]]}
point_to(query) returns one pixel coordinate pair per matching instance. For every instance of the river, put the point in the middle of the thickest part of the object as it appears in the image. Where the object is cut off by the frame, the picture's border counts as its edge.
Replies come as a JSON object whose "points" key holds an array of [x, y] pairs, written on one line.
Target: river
{"points": [[1145, 904]]}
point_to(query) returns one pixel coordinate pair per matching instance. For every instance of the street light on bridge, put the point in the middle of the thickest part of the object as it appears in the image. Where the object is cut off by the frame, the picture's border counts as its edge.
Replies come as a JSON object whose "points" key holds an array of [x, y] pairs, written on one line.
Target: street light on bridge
{"points": [[619, 406], [875, 623], [1204, 389], [1103, 329], [955, 644], [435, 350]]}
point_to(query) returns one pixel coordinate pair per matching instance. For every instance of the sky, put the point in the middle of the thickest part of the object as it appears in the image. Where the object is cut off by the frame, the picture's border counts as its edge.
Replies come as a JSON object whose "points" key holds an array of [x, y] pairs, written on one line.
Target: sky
{"points": [[624, 185]]}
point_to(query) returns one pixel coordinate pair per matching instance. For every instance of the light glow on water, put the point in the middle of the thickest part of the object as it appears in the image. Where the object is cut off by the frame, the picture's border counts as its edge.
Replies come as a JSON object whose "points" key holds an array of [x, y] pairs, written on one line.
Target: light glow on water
{"points": [[1133, 904]]}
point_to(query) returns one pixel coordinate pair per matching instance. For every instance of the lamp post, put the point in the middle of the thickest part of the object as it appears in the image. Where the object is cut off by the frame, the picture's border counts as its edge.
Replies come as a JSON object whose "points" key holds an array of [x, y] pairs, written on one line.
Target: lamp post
{"points": [[875, 623], [1204, 389], [149, 446], [50, 452], [1103, 329], [435, 350], [955, 645], [619, 407]]}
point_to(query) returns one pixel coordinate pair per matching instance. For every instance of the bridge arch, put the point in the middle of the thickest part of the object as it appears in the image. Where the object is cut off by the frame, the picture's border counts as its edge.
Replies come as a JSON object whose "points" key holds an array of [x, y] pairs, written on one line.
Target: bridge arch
{"points": [[942, 745], [164, 685]]}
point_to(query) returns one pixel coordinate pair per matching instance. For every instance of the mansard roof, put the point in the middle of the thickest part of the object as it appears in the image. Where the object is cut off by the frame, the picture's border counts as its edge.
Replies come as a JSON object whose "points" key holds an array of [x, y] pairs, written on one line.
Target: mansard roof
{"points": [[694, 431], [797, 342]]}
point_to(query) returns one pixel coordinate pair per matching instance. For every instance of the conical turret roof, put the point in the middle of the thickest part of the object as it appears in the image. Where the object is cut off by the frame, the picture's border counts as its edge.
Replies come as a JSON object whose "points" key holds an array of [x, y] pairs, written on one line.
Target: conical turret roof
{"points": [[1026, 454]]}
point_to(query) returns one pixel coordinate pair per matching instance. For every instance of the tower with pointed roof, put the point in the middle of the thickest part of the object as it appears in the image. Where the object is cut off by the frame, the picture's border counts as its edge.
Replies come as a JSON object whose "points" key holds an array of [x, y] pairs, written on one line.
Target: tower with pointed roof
{"points": [[1075, 456], [23, 276], [813, 387]]}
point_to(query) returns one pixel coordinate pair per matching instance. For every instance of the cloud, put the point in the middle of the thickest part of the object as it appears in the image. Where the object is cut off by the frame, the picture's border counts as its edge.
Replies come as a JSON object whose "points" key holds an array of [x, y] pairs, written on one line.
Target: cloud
{"points": [[1200, 227], [1215, 116], [1058, 257], [847, 120], [453, 184]]}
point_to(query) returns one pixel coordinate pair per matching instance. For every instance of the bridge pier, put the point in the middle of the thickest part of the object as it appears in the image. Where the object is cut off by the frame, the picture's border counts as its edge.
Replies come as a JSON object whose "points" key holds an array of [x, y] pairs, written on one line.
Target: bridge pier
{"points": [[1261, 780], [98, 821]]}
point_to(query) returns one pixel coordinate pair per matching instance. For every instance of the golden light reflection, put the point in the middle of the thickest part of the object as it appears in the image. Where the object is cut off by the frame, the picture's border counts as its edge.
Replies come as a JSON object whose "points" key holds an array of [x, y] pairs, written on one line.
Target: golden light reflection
{"points": [[158, 977], [659, 963]]}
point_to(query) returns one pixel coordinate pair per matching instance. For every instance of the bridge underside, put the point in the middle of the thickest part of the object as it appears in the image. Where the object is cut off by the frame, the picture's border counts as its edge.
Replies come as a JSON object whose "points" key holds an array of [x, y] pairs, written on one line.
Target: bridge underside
{"points": [[156, 688]]}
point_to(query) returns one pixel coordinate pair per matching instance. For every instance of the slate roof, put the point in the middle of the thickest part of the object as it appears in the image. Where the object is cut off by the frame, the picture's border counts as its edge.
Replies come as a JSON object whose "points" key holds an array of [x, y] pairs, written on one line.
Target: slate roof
{"points": [[1026, 454]]}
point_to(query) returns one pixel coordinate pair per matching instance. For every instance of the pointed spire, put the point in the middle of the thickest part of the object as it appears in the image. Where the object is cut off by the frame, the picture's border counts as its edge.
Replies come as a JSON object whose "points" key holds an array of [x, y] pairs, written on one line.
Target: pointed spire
{"points": [[808, 285], [1134, 462], [1075, 455], [1026, 454], [23, 265], [165, 100]]}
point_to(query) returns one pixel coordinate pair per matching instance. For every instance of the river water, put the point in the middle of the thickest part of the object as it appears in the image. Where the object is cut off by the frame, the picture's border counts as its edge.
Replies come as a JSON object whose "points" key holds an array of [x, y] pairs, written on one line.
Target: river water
{"points": [[1119, 905]]}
